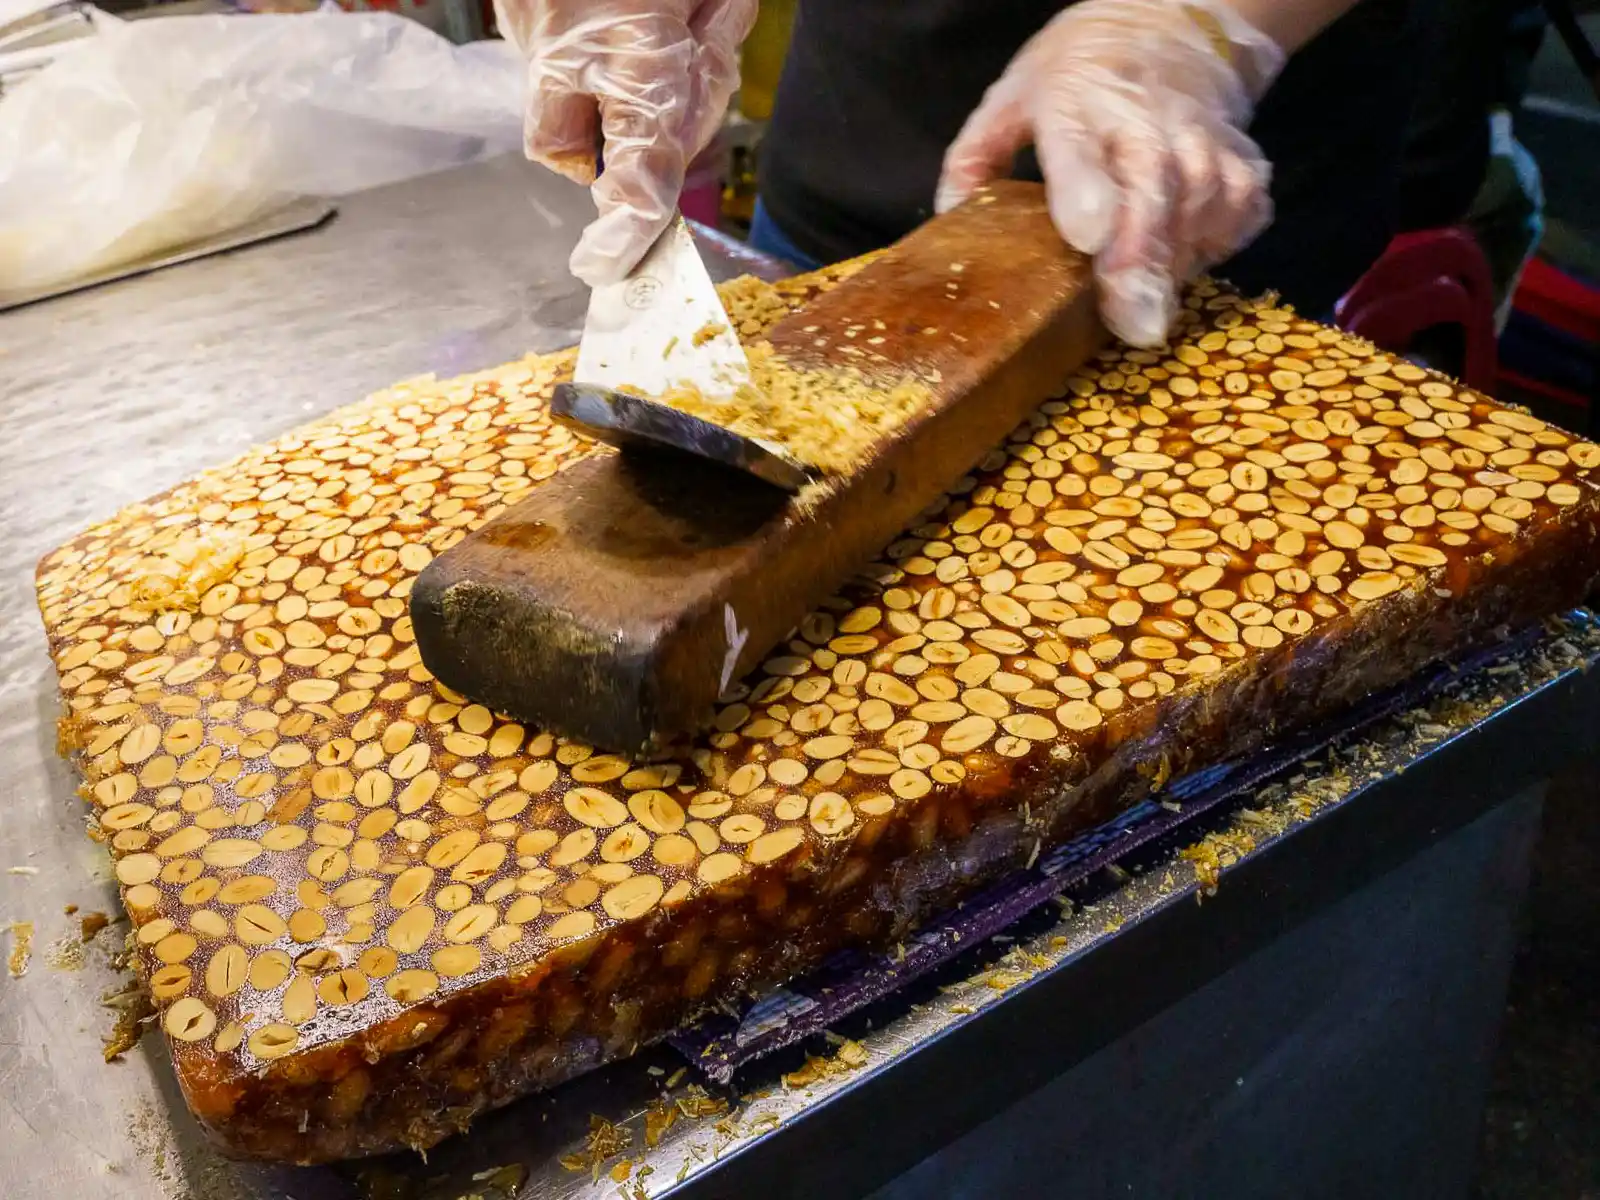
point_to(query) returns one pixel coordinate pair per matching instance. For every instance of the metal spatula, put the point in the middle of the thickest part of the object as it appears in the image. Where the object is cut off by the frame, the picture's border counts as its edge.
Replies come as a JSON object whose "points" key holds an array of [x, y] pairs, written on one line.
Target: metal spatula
{"points": [[661, 328]]}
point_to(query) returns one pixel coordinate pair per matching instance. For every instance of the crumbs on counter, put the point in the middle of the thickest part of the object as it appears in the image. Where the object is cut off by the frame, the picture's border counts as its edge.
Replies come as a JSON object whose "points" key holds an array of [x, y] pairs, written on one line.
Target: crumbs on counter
{"points": [[134, 1013], [850, 1057], [698, 1103], [21, 947], [90, 924], [606, 1140], [660, 1116], [65, 954], [1018, 966]]}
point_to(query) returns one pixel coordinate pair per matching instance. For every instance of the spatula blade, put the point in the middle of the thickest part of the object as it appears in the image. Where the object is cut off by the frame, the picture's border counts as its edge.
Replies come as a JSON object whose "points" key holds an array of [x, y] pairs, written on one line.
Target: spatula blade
{"points": [[631, 422], [662, 327]]}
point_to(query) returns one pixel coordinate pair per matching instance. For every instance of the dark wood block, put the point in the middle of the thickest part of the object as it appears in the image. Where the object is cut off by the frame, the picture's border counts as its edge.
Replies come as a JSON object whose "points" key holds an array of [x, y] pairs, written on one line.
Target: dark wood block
{"points": [[618, 601]]}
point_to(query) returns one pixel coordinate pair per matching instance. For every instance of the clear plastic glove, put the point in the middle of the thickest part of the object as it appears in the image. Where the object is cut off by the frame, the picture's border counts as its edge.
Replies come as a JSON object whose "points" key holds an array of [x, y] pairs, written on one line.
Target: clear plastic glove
{"points": [[648, 79], [1136, 109]]}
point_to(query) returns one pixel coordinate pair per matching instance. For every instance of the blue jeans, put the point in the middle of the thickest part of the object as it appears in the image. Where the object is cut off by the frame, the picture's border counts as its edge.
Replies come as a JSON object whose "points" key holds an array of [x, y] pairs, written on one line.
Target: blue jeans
{"points": [[766, 237]]}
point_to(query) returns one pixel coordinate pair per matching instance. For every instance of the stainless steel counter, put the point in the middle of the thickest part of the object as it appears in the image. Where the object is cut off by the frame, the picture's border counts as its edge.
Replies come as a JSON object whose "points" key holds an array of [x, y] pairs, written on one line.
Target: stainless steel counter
{"points": [[112, 395]]}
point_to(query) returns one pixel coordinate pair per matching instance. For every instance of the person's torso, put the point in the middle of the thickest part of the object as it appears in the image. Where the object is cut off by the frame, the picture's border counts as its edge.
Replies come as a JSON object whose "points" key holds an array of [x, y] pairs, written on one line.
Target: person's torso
{"points": [[874, 91], [1474, 55]]}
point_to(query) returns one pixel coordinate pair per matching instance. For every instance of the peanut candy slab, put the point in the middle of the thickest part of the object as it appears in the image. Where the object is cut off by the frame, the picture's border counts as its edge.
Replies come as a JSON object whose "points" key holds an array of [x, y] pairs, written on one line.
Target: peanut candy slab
{"points": [[368, 909]]}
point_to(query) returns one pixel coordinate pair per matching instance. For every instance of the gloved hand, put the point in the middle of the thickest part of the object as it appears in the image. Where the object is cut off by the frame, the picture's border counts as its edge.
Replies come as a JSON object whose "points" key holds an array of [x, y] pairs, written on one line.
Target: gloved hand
{"points": [[1136, 109], [651, 78]]}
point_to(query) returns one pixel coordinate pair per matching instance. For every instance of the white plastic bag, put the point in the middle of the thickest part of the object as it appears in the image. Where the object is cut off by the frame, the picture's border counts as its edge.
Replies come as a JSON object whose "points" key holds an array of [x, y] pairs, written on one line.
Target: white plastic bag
{"points": [[161, 132]]}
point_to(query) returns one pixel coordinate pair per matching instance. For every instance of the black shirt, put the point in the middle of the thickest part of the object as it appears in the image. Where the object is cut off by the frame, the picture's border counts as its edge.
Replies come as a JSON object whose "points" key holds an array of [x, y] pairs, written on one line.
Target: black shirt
{"points": [[1474, 55], [874, 91]]}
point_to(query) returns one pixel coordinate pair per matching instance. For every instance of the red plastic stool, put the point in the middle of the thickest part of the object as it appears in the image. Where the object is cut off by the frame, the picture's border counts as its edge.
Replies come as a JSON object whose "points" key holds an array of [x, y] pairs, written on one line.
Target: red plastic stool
{"points": [[1425, 279], [1549, 294], [1551, 303]]}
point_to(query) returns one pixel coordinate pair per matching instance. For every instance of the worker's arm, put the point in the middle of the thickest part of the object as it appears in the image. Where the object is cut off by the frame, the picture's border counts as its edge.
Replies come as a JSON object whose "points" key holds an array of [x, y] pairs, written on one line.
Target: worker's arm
{"points": [[1137, 110], [650, 79]]}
